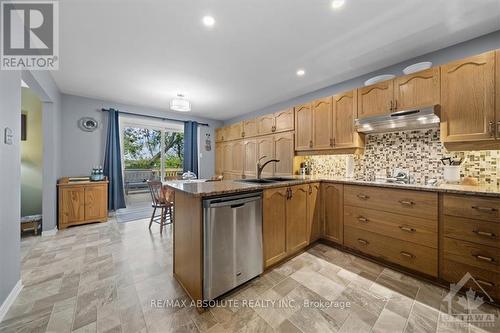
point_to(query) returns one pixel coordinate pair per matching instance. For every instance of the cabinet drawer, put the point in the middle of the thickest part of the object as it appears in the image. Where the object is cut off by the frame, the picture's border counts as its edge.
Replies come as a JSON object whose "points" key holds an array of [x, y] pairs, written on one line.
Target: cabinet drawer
{"points": [[416, 257], [406, 228], [481, 256], [476, 231], [473, 207], [407, 202], [453, 272]]}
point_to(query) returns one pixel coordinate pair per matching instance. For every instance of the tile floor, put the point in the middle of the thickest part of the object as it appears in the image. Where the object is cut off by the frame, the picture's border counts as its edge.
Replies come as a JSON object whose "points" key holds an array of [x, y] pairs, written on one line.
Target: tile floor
{"points": [[108, 277]]}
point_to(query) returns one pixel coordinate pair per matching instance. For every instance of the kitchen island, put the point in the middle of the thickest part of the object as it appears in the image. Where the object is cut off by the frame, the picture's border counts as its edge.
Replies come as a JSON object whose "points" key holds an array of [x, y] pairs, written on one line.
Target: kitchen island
{"points": [[432, 230]]}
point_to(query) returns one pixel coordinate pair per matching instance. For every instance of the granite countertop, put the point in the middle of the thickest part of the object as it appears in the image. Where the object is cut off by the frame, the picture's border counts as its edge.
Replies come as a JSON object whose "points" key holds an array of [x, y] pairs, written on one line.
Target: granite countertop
{"points": [[200, 188]]}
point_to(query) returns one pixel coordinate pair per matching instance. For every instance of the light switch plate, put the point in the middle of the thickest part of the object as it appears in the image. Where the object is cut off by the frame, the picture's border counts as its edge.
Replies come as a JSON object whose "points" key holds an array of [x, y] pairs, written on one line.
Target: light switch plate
{"points": [[9, 134]]}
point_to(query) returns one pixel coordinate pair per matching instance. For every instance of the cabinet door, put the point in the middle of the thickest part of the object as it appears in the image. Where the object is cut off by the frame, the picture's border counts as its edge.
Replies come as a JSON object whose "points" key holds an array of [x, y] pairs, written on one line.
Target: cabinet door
{"points": [[227, 155], [468, 99], [71, 205], [333, 210], [219, 134], [96, 203], [497, 98], [284, 121], [375, 99], [234, 131], [322, 124], [274, 225], [283, 151], [344, 112], [313, 212], [249, 128], [417, 90], [265, 147], [237, 157], [250, 160], [265, 124], [303, 127], [219, 159], [296, 219]]}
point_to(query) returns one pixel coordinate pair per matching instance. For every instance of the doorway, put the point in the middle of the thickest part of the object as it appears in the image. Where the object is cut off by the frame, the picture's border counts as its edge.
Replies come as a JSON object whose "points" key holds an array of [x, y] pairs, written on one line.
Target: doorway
{"points": [[152, 150]]}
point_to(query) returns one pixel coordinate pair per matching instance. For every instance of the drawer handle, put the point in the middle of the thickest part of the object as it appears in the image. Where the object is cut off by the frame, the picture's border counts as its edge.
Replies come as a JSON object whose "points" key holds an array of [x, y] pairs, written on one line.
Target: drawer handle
{"points": [[407, 255], [485, 233], [362, 241], [485, 283], [406, 202], [485, 209], [362, 219], [363, 196], [407, 229], [484, 258]]}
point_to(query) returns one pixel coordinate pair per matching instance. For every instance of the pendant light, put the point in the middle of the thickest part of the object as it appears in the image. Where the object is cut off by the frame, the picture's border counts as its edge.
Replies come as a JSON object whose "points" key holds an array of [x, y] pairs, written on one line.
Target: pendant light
{"points": [[180, 104]]}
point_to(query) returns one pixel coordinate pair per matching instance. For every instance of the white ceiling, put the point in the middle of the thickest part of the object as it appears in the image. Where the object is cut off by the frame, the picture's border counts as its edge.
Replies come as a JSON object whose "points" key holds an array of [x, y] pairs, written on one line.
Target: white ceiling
{"points": [[144, 52]]}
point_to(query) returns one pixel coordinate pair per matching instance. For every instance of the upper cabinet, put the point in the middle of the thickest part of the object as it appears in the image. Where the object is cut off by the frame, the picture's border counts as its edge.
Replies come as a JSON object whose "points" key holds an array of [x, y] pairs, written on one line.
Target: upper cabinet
{"points": [[233, 132], [265, 124], [344, 111], [283, 151], [322, 124], [417, 90], [249, 128], [219, 134], [303, 127], [219, 159], [284, 120], [375, 99], [402, 93], [468, 99], [250, 158]]}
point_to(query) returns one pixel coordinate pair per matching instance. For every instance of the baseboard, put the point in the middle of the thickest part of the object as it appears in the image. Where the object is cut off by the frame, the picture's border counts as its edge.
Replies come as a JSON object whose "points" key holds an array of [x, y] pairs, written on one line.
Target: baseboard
{"points": [[10, 299], [51, 232]]}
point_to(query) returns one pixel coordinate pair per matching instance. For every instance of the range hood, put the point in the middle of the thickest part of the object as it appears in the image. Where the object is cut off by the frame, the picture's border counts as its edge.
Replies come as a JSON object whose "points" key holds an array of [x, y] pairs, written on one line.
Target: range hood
{"points": [[426, 117]]}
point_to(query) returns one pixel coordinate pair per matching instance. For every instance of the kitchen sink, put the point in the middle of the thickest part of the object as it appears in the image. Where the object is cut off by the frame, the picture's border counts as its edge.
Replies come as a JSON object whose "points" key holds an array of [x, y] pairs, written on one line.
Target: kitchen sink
{"points": [[280, 179]]}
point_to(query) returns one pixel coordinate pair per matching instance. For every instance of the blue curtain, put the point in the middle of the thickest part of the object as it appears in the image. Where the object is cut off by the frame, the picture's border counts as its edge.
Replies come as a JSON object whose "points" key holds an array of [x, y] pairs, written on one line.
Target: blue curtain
{"points": [[191, 147], [113, 163]]}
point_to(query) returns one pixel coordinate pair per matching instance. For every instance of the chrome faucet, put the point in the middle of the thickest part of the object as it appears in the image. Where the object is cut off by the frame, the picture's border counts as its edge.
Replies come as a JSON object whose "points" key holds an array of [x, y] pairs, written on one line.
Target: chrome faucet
{"points": [[261, 167]]}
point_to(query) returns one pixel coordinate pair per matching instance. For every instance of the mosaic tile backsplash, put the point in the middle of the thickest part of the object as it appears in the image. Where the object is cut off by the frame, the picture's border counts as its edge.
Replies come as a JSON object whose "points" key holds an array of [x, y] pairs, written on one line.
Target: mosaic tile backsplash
{"points": [[417, 151]]}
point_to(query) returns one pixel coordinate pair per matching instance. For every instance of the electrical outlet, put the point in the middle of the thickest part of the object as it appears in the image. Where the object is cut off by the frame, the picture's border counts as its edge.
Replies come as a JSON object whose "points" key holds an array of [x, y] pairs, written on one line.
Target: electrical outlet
{"points": [[8, 136]]}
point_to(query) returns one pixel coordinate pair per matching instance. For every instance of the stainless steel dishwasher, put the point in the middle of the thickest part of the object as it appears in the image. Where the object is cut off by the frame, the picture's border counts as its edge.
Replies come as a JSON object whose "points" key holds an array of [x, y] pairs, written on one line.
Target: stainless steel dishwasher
{"points": [[232, 242]]}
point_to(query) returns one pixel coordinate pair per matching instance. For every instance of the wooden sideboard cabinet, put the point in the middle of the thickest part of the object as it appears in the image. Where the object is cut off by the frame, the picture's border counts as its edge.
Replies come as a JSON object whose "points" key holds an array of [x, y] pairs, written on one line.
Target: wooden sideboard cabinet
{"points": [[82, 202]]}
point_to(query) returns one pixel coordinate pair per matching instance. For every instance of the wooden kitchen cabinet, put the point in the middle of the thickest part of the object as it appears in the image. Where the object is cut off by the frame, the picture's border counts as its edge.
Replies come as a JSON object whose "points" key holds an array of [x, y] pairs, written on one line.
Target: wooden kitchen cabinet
{"points": [[234, 131], [284, 120], [468, 99], [376, 99], [238, 155], [219, 134], [227, 155], [296, 223], [322, 124], [82, 202], [219, 158], [274, 225], [250, 158], [283, 151], [265, 147], [416, 90], [314, 216], [344, 111], [249, 128], [332, 196], [265, 124], [303, 127]]}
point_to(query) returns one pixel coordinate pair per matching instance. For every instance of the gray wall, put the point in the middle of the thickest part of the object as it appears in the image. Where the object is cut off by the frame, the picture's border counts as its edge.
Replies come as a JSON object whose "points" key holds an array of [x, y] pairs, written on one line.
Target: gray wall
{"points": [[81, 150], [458, 51], [10, 182]]}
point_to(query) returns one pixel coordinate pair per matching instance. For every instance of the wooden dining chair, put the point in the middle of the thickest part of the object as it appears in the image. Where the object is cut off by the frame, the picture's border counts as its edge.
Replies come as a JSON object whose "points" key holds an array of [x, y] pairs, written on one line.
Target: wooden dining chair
{"points": [[163, 201]]}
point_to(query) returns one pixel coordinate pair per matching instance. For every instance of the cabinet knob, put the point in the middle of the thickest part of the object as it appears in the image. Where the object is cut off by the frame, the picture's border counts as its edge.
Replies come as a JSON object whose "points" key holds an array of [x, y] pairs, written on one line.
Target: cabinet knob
{"points": [[362, 241], [484, 233], [310, 144], [484, 258], [362, 219], [407, 229], [363, 196], [485, 209], [390, 106], [407, 255], [395, 105], [406, 202], [491, 126]]}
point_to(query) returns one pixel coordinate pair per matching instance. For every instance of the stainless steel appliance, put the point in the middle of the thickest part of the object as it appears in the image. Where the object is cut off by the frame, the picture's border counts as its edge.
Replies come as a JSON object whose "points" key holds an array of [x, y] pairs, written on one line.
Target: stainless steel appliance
{"points": [[232, 242], [427, 117]]}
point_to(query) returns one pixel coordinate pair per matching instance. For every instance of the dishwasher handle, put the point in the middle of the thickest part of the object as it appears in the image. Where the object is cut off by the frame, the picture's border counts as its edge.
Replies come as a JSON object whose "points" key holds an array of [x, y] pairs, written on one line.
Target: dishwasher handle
{"points": [[234, 203]]}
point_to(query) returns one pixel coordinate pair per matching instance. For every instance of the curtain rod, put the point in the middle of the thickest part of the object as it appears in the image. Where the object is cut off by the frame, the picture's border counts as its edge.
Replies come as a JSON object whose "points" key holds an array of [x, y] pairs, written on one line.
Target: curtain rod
{"points": [[154, 117]]}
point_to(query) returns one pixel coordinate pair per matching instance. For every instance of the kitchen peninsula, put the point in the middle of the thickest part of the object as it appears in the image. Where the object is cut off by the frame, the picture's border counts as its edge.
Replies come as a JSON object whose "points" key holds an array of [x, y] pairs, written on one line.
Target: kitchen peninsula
{"points": [[437, 233]]}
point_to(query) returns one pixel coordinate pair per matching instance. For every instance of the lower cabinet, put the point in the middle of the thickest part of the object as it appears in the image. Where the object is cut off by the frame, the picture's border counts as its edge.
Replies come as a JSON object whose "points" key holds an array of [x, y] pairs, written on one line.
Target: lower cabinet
{"points": [[80, 203], [285, 227], [314, 214], [332, 197]]}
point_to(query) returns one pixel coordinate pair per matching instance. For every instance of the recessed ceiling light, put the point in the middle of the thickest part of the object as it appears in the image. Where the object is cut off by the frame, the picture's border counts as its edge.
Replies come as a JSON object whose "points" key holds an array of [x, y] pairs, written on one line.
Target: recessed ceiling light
{"points": [[208, 21], [301, 72], [336, 4]]}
